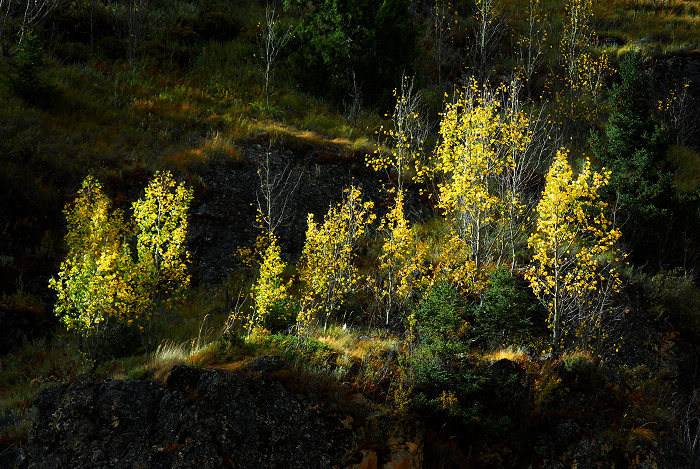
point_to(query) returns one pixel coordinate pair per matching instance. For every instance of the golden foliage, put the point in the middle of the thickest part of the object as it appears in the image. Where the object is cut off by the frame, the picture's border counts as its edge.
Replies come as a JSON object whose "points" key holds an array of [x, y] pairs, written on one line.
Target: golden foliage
{"points": [[400, 262], [326, 268], [93, 284], [574, 246], [406, 136], [584, 73], [160, 219], [99, 281], [477, 148], [269, 289]]}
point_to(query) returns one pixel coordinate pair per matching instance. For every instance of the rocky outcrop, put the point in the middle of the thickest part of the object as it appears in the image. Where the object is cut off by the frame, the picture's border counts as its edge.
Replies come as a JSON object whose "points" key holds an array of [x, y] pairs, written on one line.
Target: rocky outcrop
{"points": [[224, 216], [211, 419], [200, 418]]}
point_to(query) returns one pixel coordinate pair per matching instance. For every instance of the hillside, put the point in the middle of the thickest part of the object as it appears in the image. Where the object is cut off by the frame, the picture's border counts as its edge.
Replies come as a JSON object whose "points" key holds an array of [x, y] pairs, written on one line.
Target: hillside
{"points": [[462, 234]]}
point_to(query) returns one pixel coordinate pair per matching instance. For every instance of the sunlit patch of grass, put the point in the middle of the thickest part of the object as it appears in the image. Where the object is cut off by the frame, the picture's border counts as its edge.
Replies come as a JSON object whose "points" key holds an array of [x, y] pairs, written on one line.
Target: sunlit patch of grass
{"points": [[186, 159], [354, 344], [168, 354], [296, 138], [652, 26], [221, 147], [363, 145], [200, 350], [506, 353], [202, 315]]}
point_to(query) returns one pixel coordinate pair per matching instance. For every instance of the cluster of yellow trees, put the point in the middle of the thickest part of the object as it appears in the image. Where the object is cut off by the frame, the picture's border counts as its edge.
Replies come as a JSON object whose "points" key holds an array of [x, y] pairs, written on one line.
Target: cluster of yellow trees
{"points": [[573, 243], [480, 169], [485, 141], [101, 282]]}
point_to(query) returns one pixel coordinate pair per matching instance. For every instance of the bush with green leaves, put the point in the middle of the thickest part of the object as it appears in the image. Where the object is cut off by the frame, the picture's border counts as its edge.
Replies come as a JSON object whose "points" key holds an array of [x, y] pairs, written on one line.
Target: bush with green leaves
{"points": [[437, 342], [367, 41], [676, 295], [28, 78], [440, 317], [505, 311]]}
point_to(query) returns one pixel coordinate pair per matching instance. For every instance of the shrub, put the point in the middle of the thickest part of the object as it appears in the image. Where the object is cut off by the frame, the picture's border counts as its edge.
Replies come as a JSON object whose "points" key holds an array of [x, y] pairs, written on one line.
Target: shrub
{"points": [[374, 40], [433, 364], [440, 315], [505, 310], [27, 79], [675, 294]]}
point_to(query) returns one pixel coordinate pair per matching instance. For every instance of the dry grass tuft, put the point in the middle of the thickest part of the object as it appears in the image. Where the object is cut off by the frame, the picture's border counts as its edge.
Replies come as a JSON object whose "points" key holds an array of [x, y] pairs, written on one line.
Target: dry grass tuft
{"points": [[347, 342], [643, 433], [170, 354], [507, 353]]}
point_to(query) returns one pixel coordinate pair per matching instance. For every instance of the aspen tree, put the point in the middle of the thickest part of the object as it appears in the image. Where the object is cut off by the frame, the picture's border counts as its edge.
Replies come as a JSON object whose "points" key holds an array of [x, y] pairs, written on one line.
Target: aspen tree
{"points": [[400, 262], [277, 186], [326, 268], [574, 244], [584, 73], [489, 28], [444, 27], [269, 290], [137, 24], [532, 43], [477, 148], [28, 13], [93, 284], [161, 226], [271, 40], [528, 144], [406, 137]]}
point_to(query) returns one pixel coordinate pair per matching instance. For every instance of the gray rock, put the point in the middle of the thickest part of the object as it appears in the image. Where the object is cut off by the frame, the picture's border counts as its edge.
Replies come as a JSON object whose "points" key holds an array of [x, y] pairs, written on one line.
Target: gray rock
{"points": [[267, 364], [200, 418]]}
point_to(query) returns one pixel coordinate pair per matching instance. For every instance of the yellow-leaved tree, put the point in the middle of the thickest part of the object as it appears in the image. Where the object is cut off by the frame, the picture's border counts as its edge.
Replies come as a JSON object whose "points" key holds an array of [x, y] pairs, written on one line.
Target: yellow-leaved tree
{"points": [[93, 284], [269, 292], [405, 138], [584, 70], [400, 262], [478, 143], [160, 219], [326, 268], [574, 244]]}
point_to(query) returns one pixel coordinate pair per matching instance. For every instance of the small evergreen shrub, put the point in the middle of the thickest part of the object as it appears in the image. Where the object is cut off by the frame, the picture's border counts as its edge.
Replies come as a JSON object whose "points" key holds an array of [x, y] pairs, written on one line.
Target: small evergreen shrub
{"points": [[505, 311], [440, 316], [27, 79], [281, 317]]}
